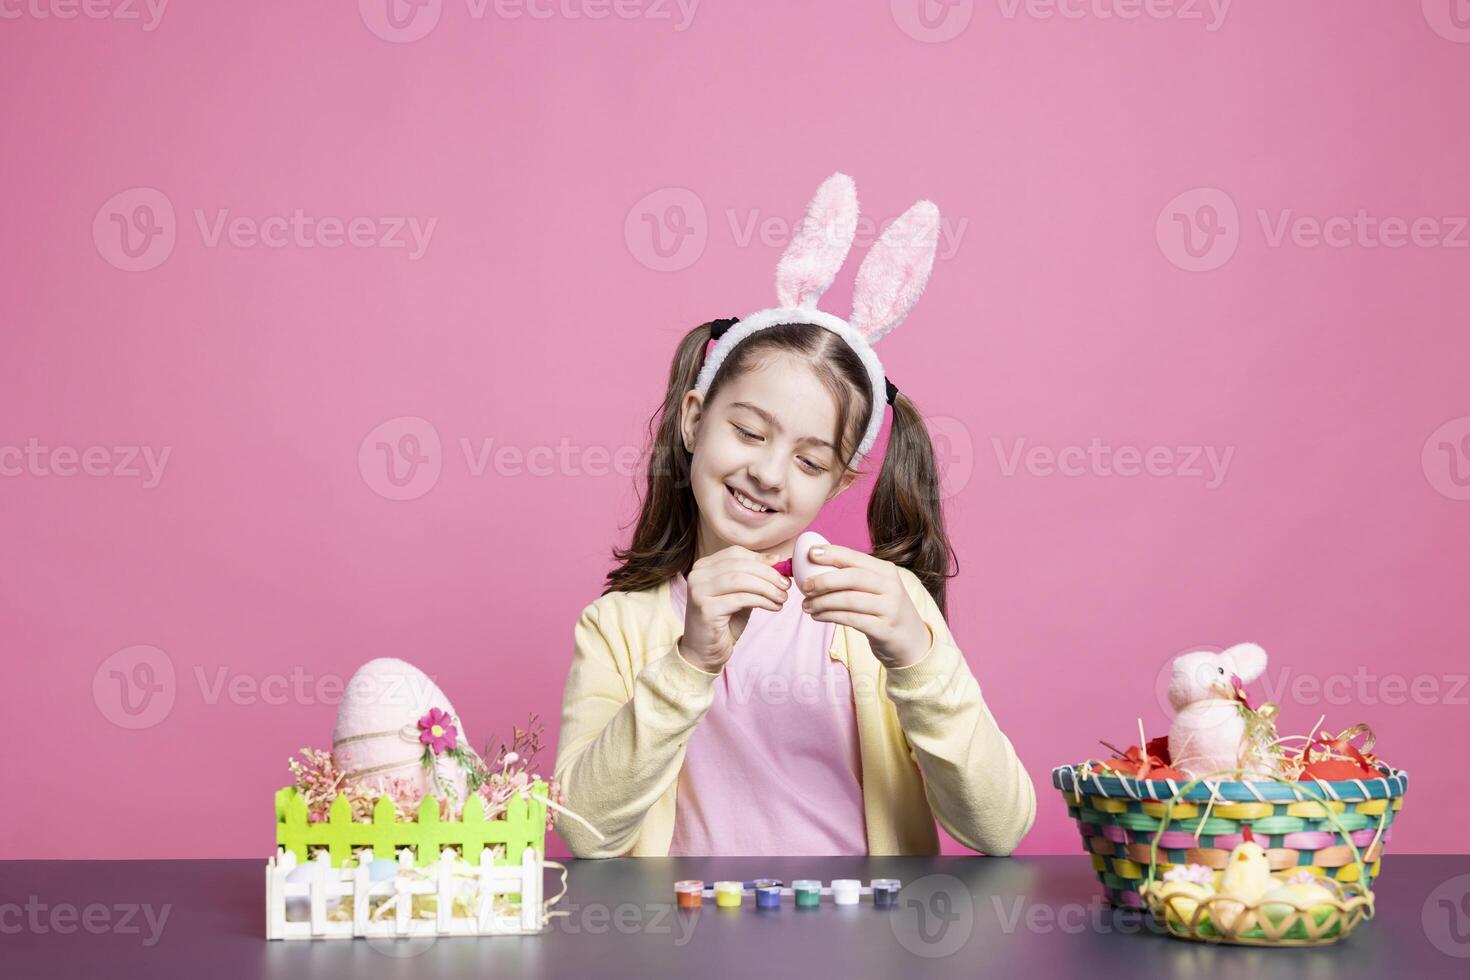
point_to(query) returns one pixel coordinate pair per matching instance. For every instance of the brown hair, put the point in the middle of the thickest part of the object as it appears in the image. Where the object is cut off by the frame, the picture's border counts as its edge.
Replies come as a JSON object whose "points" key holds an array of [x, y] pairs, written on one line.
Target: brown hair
{"points": [[905, 522]]}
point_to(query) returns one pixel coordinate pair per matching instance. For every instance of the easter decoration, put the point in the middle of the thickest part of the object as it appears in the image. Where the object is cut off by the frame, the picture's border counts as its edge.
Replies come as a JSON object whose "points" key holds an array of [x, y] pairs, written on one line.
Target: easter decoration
{"points": [[1227, 832], [403, 830]]}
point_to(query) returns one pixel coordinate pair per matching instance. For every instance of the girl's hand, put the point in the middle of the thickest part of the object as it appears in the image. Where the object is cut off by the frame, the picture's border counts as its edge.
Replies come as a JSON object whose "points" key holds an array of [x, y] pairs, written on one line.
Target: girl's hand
{"points": [[723, 588], [867, 594]]}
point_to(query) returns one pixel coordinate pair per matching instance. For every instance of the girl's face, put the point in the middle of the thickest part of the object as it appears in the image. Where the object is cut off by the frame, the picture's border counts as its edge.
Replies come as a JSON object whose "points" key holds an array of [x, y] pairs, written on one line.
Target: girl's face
{"points": [[766, 435]]}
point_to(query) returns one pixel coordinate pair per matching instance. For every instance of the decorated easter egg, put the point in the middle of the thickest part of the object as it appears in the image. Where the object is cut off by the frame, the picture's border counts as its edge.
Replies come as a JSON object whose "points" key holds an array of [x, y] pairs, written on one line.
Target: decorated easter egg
{"points": [[1181, 898], [376, 740], [1281, 901], [802, 566]]}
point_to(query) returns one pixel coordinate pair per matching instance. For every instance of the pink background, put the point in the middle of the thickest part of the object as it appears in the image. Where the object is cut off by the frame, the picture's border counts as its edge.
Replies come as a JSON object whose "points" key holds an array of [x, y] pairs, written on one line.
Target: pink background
{"points": [[541, 314]]}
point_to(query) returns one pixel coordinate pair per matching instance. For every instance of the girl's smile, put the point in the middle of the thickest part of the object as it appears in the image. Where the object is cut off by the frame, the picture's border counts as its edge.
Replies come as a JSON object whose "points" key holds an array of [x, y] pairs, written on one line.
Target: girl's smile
{"points": [[740, 511]]}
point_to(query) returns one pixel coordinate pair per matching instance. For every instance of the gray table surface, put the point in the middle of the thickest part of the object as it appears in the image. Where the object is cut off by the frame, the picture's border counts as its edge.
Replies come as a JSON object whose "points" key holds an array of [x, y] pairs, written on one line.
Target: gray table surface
{"points": [[1040, 917]]}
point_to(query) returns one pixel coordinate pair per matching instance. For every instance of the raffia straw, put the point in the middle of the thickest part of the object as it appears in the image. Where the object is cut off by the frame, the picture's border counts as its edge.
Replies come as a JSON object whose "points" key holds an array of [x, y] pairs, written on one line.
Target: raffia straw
{"points": [[561, 809]]}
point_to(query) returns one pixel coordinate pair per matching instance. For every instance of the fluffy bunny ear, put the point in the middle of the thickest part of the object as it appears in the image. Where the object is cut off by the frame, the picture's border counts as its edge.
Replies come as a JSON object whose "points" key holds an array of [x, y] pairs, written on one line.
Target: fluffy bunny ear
{"points": [[895, 271], [820, 245], [1249, 660]]}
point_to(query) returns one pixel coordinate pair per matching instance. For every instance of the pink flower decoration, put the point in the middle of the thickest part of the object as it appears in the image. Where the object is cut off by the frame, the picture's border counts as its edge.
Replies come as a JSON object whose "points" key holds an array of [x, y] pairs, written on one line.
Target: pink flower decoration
{"points": [[1199, 874], [437, 731]]}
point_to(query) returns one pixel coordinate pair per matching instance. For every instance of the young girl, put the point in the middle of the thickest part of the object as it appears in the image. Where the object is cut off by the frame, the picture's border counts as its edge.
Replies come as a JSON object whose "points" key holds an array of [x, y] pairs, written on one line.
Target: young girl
{"points": [[714, 706]]}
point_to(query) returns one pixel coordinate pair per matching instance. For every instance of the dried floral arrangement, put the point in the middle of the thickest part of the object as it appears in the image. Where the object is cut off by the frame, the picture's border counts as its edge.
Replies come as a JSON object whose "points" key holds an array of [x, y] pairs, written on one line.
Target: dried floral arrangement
{"points": [[319, 780]]}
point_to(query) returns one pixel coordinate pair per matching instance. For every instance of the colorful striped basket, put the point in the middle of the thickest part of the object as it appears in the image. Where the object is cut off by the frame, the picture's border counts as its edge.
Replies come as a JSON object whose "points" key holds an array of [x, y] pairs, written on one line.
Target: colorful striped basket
{"points": [[1119, 817]]}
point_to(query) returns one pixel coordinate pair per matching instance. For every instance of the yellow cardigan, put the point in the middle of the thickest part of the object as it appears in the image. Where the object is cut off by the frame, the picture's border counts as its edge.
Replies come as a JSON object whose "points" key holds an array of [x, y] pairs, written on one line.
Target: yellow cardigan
{"points": [[929, 745]]}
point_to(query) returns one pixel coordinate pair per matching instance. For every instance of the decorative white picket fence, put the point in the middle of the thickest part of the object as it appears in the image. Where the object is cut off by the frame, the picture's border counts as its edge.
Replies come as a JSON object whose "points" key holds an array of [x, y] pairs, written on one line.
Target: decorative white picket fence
{"points": [[384, 909]]}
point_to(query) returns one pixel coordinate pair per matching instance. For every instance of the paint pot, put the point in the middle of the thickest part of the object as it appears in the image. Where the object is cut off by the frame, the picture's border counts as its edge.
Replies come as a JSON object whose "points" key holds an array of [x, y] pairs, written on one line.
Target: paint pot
{"points": [[885, 892], [727, 894], [767, 894], [689, 894], [808, 893], [846, 891]]}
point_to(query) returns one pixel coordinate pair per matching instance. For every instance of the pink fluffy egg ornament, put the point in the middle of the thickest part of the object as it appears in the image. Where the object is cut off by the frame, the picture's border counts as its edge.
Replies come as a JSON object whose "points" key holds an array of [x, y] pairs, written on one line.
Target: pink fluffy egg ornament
{"points": [[391, 714]]}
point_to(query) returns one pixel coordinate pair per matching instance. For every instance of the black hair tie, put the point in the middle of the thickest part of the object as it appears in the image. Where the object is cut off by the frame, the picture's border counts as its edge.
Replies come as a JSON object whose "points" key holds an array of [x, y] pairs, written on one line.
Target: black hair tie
{"points": [[717, 330]]}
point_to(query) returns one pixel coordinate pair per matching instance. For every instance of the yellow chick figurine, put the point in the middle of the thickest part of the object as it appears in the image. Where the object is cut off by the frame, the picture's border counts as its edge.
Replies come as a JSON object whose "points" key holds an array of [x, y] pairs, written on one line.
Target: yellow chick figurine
{"points": [[1184, 887], [1247, 877]]}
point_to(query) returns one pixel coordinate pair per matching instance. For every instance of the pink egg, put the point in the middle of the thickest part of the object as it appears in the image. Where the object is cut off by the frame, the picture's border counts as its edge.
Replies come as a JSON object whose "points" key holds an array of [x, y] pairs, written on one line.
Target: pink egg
{"points": [[376, 735], [802, 566]]}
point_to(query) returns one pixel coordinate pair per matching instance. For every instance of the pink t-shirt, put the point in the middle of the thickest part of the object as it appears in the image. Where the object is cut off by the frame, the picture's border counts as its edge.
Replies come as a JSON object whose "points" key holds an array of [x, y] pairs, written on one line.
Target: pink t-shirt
{"points": [[774, 767]]}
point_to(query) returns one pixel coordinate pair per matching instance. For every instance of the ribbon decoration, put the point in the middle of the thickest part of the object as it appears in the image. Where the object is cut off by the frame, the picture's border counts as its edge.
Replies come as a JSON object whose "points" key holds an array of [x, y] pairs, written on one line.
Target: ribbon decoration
{"points": [[1341, 760]]}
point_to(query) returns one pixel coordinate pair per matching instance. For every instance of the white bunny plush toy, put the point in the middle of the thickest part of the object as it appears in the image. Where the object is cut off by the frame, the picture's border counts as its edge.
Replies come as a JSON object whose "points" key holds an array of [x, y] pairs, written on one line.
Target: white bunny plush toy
{"points": [[1205, 691]]}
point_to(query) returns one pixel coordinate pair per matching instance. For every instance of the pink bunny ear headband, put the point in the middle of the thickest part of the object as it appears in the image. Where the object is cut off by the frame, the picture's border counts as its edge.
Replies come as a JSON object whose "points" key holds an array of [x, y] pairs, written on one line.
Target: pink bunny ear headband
{"points": [[889, 282]]}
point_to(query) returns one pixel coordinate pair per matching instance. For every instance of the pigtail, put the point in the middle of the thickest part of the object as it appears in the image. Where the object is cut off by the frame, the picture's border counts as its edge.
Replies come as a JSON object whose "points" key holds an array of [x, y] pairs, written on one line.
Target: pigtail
{"points": [[905, 518], [664, 540]]}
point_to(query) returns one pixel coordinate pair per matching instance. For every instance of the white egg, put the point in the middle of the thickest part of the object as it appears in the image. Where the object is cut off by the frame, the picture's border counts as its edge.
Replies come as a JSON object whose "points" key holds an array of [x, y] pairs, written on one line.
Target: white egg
{"points": [[802, 566]]}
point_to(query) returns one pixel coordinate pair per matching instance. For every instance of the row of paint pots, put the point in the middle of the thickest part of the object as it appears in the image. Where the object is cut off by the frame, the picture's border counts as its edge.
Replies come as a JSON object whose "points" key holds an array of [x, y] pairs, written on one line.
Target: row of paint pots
{"points": [[806, 893]]}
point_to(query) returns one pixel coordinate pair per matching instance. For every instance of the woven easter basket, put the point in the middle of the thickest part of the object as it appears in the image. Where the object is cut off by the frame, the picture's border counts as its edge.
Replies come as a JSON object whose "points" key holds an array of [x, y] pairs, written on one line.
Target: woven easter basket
{"points": [[1137, 829]]}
